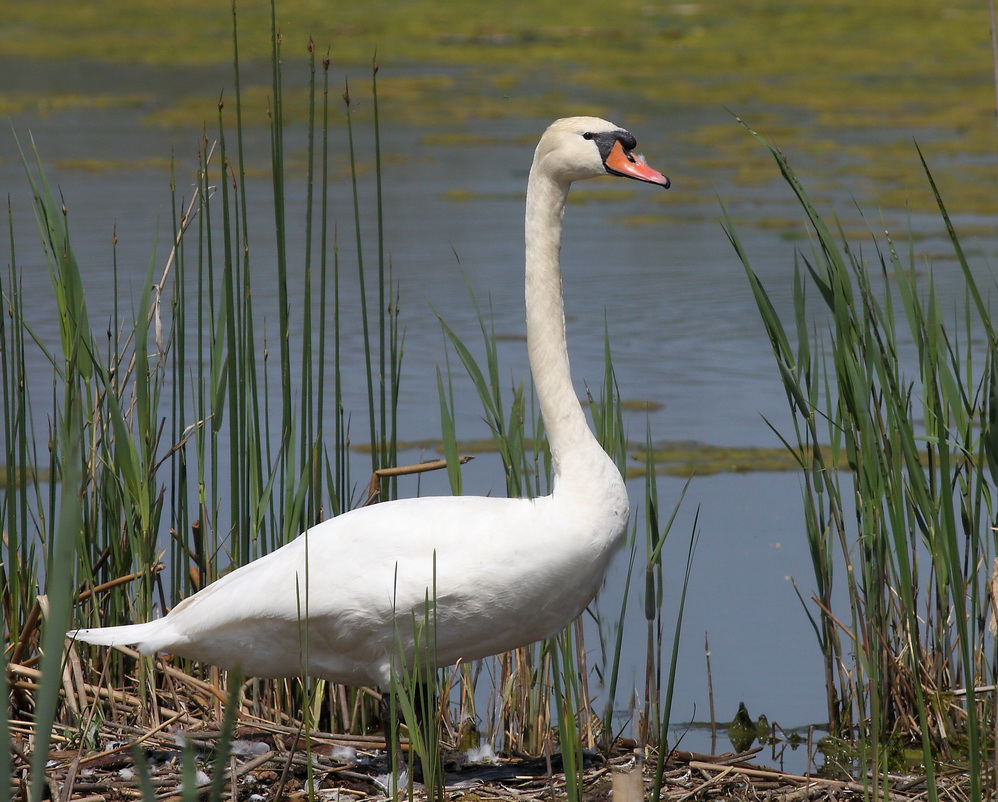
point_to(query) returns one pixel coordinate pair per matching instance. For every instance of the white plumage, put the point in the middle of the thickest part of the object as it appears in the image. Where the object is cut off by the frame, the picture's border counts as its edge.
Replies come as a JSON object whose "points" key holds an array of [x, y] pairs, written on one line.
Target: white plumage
{"points": [[500, 573]]}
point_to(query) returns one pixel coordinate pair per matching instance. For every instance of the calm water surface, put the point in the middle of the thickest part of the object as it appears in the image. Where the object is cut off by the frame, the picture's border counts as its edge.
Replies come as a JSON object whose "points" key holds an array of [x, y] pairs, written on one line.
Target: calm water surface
{"points": [[683, 326]]}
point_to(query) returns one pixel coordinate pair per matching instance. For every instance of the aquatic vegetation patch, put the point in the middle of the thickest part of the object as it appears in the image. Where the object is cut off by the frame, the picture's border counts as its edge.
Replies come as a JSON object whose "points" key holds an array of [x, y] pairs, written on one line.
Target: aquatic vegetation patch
{"points": [[460, 139], [465, 195], [683, 459], [870, 60], [20, 477], [855, 80], [92, 165], [47, 103], [585, 196]]}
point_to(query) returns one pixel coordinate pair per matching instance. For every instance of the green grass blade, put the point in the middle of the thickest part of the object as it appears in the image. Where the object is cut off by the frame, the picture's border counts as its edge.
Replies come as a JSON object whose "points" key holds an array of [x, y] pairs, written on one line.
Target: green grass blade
{"points": [[59, 587]]}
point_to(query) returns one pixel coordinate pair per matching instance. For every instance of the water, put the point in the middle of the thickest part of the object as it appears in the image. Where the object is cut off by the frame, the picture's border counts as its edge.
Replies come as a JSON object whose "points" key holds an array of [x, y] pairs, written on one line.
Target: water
{"points": [[683, 326]]}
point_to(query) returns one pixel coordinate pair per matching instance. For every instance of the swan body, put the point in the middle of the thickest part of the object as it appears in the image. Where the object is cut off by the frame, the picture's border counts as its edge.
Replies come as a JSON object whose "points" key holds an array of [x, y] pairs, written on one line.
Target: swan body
{"points": [[338, 602]]}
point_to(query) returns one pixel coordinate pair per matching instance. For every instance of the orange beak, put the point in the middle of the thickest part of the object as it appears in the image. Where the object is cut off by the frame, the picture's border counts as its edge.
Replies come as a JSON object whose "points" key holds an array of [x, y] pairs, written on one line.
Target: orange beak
{"points": [[622, 162]]}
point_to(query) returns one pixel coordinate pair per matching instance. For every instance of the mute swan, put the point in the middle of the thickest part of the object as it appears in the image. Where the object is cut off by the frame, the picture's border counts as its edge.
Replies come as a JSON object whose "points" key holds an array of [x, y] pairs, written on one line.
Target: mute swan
{"points": [[502, 572]]}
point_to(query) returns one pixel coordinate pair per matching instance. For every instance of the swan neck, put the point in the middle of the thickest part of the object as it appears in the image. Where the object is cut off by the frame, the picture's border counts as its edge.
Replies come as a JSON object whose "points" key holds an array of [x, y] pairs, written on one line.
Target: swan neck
{"points": [[565, 422]]}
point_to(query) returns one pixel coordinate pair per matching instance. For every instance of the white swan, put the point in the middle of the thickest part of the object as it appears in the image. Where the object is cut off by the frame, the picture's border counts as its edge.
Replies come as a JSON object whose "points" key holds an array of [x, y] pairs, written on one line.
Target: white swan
{"points": [[503, 572]]}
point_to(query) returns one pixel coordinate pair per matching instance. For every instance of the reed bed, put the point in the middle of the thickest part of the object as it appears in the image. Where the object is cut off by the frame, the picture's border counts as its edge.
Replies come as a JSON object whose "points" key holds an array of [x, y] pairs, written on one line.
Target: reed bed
{"points": [[270, 758], [878, 370], [201, 430], [170, 454], [194, 434]]}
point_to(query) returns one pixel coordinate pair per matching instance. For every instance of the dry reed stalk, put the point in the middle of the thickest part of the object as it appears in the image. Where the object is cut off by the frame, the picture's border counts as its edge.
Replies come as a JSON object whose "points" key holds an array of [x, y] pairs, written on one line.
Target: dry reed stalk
{"points": [[31, 674], [374, 488], [783, 777], [588, 719]]}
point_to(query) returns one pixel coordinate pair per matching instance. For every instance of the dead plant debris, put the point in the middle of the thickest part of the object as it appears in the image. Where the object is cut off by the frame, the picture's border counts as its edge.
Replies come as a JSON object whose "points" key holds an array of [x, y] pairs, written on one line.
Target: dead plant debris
{"points": [[176, 732], [269, 762]]}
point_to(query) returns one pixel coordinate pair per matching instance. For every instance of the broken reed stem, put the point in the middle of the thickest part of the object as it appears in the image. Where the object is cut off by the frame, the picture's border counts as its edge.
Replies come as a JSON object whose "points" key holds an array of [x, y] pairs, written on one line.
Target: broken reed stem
{"points": [[374, 489], [137, 742], [83, 595], [805, 782], [30, 677], [710, 692]]}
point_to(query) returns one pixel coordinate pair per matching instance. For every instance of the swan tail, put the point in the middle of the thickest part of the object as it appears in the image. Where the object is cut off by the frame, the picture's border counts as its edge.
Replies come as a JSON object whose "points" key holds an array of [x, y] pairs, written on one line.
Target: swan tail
{"points": [[140, 635]]}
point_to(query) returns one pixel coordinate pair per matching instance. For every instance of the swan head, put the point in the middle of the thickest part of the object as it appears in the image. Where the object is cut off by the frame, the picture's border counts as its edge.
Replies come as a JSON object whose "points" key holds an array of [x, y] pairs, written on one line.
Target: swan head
{"points": [[575, 148]]}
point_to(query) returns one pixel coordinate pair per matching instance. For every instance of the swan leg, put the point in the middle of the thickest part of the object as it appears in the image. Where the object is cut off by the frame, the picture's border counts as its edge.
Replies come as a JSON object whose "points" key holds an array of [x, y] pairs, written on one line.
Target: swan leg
{"points": [[390, 727]]}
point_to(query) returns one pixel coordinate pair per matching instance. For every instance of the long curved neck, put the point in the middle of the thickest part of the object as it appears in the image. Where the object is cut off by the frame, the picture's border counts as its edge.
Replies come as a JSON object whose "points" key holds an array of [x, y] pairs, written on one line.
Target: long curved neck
{"points": [[569, 437]]}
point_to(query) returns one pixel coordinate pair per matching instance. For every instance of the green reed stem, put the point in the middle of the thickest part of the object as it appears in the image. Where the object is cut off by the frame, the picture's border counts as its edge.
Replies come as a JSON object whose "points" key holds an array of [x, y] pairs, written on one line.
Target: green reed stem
{"points": [[320, 401], [59, 582], [307, 389], [386, 444], [375, 450]]}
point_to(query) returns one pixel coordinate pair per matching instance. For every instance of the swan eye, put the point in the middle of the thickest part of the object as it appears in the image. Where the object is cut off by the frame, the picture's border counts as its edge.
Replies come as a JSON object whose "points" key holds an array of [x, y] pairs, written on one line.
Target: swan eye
{"points": [[588, 135]]}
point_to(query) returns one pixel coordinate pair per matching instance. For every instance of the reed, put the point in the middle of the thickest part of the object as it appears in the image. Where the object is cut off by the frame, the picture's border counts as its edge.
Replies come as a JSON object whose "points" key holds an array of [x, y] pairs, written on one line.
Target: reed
{"points": [[904, 391], [167, 463], [557, 670], [170, 423]]}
